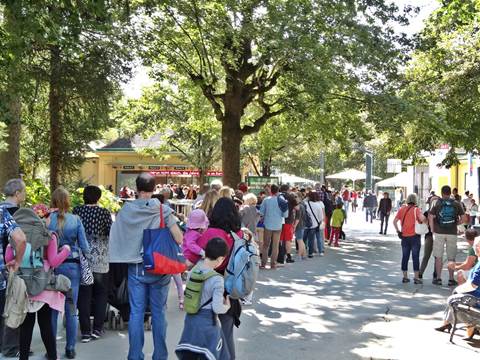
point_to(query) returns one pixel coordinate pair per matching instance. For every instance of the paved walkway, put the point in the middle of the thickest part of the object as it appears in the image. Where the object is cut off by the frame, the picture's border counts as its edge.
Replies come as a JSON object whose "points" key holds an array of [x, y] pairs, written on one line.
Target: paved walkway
{"points": [[349, 304]]}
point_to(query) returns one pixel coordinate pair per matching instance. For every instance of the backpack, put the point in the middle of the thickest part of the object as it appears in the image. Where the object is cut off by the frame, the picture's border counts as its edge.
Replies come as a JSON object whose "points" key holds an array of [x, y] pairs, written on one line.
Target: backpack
{"points": [[447, 216], [16, 301], [282, 202], [31, 268], [242, 269], [307, 220], [194, 289]]}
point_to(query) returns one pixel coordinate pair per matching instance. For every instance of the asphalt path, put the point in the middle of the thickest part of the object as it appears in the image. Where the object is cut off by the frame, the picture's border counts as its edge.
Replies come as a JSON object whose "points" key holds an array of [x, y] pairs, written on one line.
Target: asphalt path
{"points": [[349, 304]]}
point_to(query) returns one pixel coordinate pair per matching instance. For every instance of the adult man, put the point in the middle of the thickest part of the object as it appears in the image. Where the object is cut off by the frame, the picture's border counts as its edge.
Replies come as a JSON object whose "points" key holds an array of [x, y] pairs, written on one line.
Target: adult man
{"points": [[143, 288], [369, 203], [273, 219], [286, 237], [384, 210], [444, 217], [15, 193]]}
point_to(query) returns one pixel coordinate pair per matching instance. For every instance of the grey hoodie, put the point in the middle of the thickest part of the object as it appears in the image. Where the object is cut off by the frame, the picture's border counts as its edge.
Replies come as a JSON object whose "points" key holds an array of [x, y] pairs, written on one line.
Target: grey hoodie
{"points": [[126, 233]]}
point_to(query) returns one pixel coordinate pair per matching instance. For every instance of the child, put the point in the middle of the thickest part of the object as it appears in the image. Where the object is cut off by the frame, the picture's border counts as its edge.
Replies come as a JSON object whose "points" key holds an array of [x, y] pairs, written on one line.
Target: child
{"points": [[197, 223], [202, 335], [337, 221]]}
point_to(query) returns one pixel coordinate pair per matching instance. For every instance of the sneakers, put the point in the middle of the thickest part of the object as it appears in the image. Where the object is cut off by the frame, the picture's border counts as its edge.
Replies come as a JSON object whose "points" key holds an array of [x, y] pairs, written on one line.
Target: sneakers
{"points": [[97, 334], [86, 338], [290, 260], [247, 302]]}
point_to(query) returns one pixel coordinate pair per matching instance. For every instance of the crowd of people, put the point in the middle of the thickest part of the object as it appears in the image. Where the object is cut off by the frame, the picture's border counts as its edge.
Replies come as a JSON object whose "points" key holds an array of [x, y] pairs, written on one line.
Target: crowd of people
{"points": [[87, 243]]}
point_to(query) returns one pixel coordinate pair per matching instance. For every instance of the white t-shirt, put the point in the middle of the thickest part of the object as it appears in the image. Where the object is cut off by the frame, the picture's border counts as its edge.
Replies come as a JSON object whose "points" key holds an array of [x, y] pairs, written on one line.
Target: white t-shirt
{"points": [[315, 210]]}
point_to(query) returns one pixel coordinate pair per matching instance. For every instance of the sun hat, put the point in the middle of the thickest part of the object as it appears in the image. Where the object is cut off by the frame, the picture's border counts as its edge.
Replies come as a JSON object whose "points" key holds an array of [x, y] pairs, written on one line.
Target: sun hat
{"points": [[197, 220]]}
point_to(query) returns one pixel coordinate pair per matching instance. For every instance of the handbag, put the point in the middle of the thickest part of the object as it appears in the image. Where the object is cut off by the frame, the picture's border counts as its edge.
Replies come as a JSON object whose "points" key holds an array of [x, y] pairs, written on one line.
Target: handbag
{"points": [[420, 228], [161, 253], [86, 273]]}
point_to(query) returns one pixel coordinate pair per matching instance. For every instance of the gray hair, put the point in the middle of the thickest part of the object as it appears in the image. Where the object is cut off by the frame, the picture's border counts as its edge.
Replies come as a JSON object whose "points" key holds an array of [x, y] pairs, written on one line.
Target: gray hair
{"points": [[412, 199], [12, 186]]}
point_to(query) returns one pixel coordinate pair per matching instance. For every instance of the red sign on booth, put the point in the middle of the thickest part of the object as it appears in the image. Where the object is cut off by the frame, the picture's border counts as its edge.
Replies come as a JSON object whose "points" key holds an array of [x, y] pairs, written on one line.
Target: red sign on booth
{"points": [[195, 173]]}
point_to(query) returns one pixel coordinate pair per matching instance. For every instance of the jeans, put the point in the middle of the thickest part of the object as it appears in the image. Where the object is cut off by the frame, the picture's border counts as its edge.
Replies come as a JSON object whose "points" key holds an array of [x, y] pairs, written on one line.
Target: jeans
{"points": [[384, 219], [145, 289], [227, 322], [320, 240], [72, 271], [369, 212], [346, 206], [411, 244], [99, 293], [45, 323], [309, 239]]}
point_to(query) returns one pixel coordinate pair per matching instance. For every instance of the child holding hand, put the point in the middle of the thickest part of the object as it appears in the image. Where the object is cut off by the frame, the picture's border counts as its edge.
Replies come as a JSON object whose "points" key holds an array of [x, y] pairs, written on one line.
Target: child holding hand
{"points": [[197, 223]]}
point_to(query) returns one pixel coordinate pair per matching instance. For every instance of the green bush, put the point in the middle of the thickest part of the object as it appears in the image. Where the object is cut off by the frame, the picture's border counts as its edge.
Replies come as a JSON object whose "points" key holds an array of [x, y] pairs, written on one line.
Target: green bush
{"points": [[108, 200], [37, 192]]}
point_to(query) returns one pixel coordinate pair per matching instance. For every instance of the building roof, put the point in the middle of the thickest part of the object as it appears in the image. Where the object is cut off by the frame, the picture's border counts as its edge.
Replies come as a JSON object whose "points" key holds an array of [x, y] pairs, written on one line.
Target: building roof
{"points": [[136, 142]]}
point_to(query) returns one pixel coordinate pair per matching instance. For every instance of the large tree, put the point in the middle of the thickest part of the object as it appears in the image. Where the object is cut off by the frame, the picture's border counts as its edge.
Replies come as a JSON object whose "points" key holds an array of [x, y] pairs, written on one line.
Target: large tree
{"points": [[254, 59]]}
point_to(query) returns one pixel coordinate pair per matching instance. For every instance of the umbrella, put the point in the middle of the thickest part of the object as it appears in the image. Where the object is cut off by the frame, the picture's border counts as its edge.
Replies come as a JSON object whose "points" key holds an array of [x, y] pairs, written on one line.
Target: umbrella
{"points": [[350, 174], [399, 180], [293, 179]]}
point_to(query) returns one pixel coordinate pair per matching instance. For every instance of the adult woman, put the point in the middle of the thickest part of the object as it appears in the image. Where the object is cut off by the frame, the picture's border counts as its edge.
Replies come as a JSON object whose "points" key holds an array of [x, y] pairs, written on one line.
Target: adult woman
{"points": [[72, 233], [407, 216], [40, 306], [315, 212], [300, 227], [209, 201], [223, 220], [227, 192], [97, 222]]}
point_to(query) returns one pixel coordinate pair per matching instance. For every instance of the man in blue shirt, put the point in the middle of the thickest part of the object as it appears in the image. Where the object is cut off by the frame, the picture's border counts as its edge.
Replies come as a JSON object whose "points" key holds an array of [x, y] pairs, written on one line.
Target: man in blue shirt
{"points": [[273, 219]]}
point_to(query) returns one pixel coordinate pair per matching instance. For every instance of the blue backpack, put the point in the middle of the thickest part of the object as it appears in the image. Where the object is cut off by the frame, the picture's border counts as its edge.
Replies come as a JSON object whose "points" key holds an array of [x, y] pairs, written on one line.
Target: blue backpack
{"points": [[242, 269], [282, 202], [447, 216]]}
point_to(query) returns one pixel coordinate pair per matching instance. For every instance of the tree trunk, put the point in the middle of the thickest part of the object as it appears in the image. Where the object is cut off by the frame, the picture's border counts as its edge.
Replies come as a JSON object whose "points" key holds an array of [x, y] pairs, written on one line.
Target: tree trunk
{"points": [[10, 158], [55, 118], [266, 168], [231, 140]]}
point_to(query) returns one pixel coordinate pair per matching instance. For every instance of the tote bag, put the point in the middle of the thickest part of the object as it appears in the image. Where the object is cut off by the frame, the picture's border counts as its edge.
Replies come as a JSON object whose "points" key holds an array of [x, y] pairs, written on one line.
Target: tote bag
{"points": [[420, 228], [161, 254]]}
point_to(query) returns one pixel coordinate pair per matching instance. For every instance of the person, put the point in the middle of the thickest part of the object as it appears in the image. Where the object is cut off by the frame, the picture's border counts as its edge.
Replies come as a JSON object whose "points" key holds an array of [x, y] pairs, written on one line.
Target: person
{"points": [[428, 248], [455, 195], [444, 217], [126, 245], [407, 216], [287, 234], [273, 218], [384, 210], [473, 212], [316, 213], [320, 231], [226, 191], [209, 201], [225, 219], [40, 306], [337, 220], [354, 196], [300, 227], [463, 268], [369, 205], [202, 337], [346, 198], [467, 202], [70, 232], [197, 223], [97, 222], [15, 192], [249, 213], [471, 286], [216, 185], [203, 191]]}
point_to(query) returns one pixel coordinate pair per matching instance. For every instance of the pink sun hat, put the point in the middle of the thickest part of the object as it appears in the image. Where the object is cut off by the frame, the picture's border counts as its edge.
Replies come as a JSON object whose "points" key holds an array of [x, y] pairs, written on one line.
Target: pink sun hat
{"points": [[197, 220]]}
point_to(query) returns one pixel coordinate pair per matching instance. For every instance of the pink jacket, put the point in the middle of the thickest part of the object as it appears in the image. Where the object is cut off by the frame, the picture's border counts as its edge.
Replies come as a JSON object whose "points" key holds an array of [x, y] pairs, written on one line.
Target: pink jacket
{"points": [[191, 249], [55, 299]]}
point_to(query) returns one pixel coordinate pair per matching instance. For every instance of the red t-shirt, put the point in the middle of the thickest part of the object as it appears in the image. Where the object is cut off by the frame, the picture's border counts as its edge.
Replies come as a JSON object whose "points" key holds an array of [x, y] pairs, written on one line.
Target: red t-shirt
{"points": [[406, 214]]}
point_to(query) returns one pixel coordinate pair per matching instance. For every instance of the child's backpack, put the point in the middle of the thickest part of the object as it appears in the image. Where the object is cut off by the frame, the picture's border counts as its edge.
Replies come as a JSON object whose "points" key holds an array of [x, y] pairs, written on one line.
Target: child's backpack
{"points": [[447, 214], [242, 269], [31, 269], [194, 289], [282, 202]]}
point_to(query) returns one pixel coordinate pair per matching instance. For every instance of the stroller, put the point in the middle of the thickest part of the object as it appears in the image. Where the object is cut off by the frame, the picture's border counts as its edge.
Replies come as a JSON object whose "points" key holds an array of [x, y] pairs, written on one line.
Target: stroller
{"points": [[118, 310]]}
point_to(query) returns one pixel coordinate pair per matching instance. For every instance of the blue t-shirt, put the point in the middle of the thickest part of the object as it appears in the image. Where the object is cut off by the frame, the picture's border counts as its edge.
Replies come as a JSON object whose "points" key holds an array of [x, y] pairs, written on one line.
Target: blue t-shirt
{"points": [[474, 278]]}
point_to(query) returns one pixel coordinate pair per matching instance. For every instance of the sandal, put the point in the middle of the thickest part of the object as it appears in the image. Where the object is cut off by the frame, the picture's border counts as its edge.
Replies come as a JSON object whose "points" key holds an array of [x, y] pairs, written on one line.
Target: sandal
{"points": [[452, 283], [418, 281], [405, 280], [437, 281]]}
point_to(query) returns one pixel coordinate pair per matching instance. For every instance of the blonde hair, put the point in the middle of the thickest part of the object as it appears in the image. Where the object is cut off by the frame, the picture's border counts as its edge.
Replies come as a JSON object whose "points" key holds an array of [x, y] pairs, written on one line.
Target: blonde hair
{"points": [[226, 191], [61, 201], [249, 199], [209, 201]]}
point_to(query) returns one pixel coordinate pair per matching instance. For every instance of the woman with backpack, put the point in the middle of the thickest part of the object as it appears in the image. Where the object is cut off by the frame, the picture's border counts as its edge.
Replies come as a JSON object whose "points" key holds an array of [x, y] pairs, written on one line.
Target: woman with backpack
{"points": [[70, 232], [97, 222], [224, 220], [408, 216], [41, 305], [315, 216]]}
